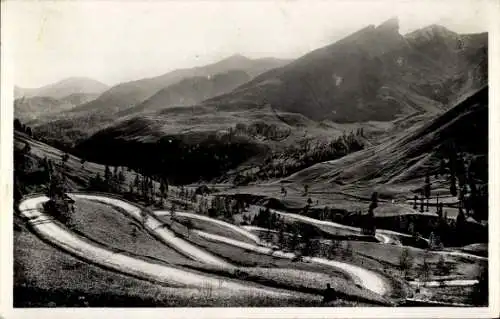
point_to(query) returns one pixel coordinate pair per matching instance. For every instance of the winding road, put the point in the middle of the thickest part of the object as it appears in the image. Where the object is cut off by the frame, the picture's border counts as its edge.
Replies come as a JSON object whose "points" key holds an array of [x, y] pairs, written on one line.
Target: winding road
{"points": [[383, 235], [156, 227], [366, 278], [445, 283], [63, 238], [233, 227]]}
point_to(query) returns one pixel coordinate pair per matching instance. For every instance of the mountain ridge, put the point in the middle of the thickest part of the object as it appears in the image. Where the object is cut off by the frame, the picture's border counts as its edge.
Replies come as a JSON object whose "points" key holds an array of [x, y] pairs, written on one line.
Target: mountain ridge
{"points": [[372, 74], [62, 88]]}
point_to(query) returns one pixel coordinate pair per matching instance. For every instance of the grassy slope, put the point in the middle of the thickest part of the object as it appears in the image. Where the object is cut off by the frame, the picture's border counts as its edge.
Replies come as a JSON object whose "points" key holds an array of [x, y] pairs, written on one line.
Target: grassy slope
{"points": [[47, 277], [395, 167], [77, 174], [282, 272], [209, 227], [390, 255], [44, 276], [407, 157], [111, 227]]}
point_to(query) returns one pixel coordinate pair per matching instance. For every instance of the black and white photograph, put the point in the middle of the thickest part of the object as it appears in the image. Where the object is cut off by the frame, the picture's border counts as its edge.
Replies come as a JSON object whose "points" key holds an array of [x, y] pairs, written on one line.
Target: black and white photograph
{"points": [[249, 154]]}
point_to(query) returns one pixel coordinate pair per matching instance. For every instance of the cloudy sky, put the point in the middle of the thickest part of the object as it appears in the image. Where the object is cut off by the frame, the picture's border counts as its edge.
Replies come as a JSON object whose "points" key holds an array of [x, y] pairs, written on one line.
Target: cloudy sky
{"points": [[114, 42]]}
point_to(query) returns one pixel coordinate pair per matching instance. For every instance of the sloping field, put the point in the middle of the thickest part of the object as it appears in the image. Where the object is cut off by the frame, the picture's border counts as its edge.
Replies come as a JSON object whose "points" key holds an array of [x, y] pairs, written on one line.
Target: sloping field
{"points": [[463, 266], [409, 156], [210, 225], [113, 228]]}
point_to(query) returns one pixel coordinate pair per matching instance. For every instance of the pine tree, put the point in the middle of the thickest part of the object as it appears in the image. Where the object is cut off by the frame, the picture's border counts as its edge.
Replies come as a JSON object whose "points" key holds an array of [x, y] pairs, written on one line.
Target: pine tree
{"points": [[405, 261], [136, 182], [453, 186], [64, 158], [441, 267], [56, 188], [370, 220], [17, 125], [121, 177], [460, 224], [427, 190], [162, 188], [422, 201], [107, 176], [29, 131], [172, 211], [425, 269], [57, 204], [442, 167]]}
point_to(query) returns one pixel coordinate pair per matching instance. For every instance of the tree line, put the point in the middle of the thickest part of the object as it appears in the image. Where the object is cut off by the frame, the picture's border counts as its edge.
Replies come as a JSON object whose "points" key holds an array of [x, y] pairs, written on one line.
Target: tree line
{"points": [[302, 155], [20, 127]]}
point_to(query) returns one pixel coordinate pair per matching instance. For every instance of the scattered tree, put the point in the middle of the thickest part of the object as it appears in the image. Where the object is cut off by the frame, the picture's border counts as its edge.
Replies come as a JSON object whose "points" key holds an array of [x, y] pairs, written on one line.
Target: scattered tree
{"points": [[172, 212], [442, 167], [422, 201], [427, 190], [17, 125], [64, 158], [425, 269], [29, 131], [441, 267], [453, 186], [405, 261]]}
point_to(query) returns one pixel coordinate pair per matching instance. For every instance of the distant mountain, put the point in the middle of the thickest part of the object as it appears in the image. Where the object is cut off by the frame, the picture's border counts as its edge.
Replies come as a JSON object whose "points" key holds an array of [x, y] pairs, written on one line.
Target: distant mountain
{"points": [[129, 94], [191, 91], [373, 74], [63, 88], [120, 100], [44, 107]]}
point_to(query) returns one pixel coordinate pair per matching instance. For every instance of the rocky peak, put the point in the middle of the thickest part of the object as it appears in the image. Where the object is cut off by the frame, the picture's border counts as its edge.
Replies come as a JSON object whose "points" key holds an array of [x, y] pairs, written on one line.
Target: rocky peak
{"points": [[391, 25]]}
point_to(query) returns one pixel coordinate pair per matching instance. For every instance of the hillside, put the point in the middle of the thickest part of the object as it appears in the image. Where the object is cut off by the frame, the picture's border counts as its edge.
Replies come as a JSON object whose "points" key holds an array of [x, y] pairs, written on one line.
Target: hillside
{"points": [[191, 91], [44, 107], [90, 117], [125, 95], [63, 88], [404, 161], [373, 74]]}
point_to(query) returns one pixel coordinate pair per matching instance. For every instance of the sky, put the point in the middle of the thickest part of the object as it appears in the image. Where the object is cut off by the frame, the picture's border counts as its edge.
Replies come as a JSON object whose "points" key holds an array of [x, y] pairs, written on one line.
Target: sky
{"points": [[115, 42]]}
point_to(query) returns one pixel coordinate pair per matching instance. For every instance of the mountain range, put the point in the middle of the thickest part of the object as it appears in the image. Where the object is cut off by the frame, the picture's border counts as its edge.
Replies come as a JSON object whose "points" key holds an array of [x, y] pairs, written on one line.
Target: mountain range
{"points": [[373, 74], [129, 94], [177, 88], [375, 78], [63, 88]]}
